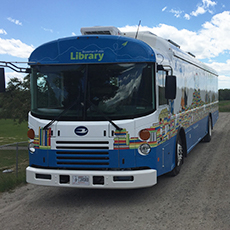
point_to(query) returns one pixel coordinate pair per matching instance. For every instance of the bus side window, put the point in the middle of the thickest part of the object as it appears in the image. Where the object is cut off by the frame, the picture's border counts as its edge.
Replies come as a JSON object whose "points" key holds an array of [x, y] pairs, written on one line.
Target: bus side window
{"points": [[161, 87]]}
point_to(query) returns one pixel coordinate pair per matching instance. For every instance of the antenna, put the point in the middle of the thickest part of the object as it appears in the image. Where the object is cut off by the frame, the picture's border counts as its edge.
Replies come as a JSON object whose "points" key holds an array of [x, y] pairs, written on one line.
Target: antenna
{"points": [[138, 29]]}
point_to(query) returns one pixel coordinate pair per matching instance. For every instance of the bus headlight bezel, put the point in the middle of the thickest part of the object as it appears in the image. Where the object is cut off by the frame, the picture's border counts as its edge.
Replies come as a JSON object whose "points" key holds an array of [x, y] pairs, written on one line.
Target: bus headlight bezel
{"points": [[144, 149], [31, 147]]}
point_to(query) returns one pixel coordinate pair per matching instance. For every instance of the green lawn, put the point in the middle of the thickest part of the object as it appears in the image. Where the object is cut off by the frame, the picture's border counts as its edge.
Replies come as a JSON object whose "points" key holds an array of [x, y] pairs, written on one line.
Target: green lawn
{"points": [[8, 161], [8, 158], [224, 106], [11, 132]]}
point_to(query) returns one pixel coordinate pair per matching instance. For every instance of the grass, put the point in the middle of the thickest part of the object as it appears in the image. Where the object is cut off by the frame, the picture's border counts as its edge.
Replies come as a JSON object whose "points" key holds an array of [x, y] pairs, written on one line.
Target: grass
{"points": [[8, 181], [8, 158], [224, 106], [10, 132], [11, 180]]}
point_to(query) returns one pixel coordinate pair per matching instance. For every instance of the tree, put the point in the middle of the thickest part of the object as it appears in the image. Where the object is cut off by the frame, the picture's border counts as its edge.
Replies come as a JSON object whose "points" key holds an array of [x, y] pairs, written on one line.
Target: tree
{"points": [[15, 102], [224, 94]]}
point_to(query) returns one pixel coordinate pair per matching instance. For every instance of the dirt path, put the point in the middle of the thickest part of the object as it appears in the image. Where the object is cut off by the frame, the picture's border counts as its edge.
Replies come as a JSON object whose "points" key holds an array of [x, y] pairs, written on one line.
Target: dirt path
{"points": [[198, 198]]}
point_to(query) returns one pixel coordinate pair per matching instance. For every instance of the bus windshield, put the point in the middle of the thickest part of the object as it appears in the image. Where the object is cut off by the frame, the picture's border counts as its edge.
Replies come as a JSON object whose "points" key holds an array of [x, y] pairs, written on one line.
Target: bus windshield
{"points": [[91, 92]]}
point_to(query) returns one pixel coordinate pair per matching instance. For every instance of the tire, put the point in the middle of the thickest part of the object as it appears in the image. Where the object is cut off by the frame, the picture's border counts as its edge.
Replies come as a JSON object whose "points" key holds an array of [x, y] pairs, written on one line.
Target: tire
{"points": [[179, 156], [208, 137]]}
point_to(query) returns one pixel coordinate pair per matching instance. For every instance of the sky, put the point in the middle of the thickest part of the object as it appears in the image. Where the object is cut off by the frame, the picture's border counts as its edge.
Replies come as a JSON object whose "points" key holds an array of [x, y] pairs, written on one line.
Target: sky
{"points": [[201, 27]]}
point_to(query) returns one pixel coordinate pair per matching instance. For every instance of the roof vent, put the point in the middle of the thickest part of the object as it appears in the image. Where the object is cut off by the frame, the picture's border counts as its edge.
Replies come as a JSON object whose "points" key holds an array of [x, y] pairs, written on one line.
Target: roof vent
{"points": [[173, 43], [106, 30], [191, 54]]}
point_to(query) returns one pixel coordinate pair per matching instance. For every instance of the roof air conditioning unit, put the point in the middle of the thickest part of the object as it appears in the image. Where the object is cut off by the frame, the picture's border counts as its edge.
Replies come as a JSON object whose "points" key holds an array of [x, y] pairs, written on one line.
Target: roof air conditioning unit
{"points": [[106, 30]]}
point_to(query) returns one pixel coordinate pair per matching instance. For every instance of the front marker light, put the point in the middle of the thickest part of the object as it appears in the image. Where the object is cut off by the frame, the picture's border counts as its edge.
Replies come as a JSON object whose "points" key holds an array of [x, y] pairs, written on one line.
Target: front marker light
{"points": [[144, 134], [144, 149], [31, 147], [31, 133]]}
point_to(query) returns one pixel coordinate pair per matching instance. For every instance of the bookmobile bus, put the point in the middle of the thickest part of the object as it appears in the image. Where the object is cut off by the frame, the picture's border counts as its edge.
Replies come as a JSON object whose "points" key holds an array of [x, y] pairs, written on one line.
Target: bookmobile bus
{"points": [[115, 110]]}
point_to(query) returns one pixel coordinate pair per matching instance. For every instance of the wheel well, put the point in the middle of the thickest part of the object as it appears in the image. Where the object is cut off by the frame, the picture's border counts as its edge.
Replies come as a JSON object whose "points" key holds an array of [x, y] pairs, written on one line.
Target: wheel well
{"points": [[181, 134]]}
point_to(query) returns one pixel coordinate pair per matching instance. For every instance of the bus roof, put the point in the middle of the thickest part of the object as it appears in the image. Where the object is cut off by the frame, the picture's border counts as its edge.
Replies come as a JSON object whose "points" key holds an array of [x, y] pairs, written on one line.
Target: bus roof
{"points": [[93, 49], [97, 46], [167, 50]]}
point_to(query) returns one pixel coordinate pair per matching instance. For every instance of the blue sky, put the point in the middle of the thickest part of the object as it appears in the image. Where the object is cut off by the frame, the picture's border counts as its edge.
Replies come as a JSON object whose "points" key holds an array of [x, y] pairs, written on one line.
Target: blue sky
{"points": [[199, 26]]}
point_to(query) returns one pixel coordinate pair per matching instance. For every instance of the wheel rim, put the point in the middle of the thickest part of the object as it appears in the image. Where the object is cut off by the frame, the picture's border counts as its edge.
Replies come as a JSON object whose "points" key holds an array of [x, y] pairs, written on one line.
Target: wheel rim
{"points": [[210, 128], [179, 154]]}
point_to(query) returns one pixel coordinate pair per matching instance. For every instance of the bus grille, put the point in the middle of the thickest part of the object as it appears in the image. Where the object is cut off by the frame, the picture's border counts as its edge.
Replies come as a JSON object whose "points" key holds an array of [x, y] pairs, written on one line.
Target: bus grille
{"points": [[82, 158], [86, 145], [82, 154]]}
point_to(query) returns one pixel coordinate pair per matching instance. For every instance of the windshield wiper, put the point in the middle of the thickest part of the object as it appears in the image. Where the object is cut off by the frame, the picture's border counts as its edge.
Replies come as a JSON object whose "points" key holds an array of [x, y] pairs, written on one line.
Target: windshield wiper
{"points": [[60, 115], [102, 114], [94, 106]]}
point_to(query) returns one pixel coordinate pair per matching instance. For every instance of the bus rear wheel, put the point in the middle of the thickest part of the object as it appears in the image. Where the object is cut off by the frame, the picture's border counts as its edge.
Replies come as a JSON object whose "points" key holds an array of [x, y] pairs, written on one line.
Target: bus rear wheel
{"points": [[179, 157]]}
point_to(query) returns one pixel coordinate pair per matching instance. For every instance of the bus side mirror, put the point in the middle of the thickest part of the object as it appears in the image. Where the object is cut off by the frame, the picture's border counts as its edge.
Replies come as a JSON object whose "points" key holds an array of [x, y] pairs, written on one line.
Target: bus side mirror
{"points": [[170, 87], [2, 80]]}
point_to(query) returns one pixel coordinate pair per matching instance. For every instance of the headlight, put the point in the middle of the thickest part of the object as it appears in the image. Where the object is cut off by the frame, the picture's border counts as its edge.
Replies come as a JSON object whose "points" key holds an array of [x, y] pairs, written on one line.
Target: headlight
{"points": [[31, 147], [144, 149]]}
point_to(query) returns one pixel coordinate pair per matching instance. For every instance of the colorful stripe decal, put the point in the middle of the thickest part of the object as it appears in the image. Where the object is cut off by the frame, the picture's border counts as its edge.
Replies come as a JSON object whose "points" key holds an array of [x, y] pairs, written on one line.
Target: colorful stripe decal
{"points": [[43, 140]]}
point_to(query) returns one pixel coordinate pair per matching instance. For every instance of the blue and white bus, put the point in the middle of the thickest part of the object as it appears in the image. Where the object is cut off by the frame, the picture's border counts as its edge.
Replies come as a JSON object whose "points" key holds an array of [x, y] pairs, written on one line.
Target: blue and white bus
{"points": [[116, 110]]}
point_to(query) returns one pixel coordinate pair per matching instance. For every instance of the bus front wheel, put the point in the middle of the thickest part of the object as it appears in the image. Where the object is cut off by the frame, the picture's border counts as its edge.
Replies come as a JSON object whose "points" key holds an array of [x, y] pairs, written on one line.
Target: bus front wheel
{"points": [[179, 156]]}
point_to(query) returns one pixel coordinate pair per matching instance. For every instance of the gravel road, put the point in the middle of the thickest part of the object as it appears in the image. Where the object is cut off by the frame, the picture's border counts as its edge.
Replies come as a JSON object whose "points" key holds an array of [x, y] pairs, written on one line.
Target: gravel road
{"points": [[198, 198]]}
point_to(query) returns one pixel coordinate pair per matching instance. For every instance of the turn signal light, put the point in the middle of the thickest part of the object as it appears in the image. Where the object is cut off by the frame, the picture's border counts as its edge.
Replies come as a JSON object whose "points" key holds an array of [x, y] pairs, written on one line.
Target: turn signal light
{"points": [[31, 134], [144, 134]]}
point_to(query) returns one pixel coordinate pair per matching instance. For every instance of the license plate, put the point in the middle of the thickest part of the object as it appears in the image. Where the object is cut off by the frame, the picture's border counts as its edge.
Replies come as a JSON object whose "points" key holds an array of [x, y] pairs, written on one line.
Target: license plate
{"points": [[80, 180]]}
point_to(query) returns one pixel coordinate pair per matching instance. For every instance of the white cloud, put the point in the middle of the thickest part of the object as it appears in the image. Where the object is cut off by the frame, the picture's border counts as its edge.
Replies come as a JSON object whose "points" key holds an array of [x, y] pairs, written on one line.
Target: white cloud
{"points": [[223, 82], [211, 41], [15, 48], [217, 33], [2, 31], [15, 21], [203, 7], [73, 34], [187, 16], [208, 43], [10, 75], [47, 30], [176, 13], [221, 68], [209, 3], [199, 10]]}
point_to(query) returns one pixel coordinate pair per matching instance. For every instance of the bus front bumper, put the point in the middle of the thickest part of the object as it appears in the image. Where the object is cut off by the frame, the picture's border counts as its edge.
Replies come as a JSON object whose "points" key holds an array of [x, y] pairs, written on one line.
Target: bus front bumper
{"points": [[92, 179]]}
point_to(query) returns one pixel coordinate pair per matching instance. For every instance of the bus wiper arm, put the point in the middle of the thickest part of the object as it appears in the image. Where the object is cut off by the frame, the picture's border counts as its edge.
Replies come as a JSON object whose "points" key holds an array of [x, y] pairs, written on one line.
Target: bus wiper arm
{"points": [[60, 115], [107, 118], [94, 106]]}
